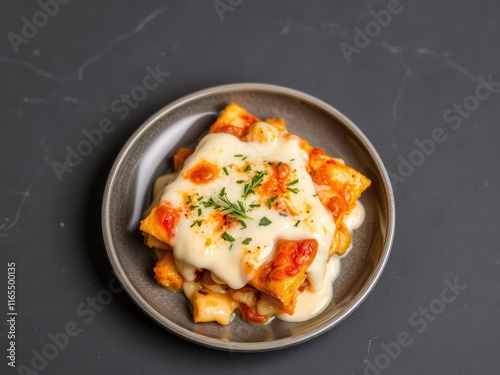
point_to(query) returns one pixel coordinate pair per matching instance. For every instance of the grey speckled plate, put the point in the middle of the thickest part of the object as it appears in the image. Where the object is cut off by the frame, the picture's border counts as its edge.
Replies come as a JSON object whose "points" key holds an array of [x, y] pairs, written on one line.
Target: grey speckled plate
{"points": [[148, 154]]}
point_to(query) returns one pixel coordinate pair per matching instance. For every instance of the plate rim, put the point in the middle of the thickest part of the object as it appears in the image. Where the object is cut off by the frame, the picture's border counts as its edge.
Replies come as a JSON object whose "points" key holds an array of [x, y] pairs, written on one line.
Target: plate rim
{"points": [[135, 295]]}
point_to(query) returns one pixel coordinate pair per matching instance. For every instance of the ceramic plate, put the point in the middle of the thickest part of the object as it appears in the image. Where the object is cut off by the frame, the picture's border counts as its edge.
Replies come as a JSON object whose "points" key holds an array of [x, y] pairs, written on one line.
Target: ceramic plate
{"points": [[148, 154]]}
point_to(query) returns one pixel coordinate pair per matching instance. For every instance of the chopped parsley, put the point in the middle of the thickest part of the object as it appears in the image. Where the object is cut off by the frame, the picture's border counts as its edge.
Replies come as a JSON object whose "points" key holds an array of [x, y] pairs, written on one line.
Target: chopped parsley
{"points": [[297, 223], [197, 222], [248, 168], [279, 165], [293, 190], [225, 171], [271, 200], [237, 209], [256, 181], [247, 241], [228, 237], [264, 222]]}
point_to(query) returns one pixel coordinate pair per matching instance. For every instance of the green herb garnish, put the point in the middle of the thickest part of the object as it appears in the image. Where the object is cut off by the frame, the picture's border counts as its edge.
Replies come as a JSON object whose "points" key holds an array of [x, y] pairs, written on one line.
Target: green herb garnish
{"points": [[228, 237], [264, 222], [256, 181], [237, 209], [293, 190], [197, 222], [247, 241], [270, 201]]}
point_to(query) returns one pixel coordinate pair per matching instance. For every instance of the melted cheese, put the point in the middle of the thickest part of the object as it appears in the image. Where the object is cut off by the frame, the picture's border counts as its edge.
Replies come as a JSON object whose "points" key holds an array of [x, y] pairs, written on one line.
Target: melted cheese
{"points": [[199, 241], [355, 218], [310, 304]]}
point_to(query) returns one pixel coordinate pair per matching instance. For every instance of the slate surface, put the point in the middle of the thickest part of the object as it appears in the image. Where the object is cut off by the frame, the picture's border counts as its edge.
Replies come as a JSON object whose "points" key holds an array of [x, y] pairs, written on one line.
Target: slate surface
{"points": [[418, 75]]}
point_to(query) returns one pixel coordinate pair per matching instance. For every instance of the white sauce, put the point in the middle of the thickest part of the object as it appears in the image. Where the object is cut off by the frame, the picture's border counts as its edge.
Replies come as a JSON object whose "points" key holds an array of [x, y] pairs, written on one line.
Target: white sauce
{"points": [[202, 246], [355, 218], [310, 304]]}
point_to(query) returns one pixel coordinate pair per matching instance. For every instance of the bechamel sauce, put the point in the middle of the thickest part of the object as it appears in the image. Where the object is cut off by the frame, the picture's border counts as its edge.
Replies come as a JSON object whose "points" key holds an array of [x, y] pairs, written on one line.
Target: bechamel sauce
{"points": [[355, 218], [310, 304], [201, 246]]}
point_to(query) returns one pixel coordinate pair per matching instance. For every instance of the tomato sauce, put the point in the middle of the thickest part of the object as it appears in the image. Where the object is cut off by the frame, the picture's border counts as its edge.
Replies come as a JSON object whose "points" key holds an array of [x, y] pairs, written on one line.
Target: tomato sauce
{"points": [[202, 173]]}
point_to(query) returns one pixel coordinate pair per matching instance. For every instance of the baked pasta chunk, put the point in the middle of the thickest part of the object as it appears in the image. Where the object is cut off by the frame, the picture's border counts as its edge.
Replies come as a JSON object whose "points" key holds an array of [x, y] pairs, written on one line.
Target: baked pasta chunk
{"points": [[253, 221]]}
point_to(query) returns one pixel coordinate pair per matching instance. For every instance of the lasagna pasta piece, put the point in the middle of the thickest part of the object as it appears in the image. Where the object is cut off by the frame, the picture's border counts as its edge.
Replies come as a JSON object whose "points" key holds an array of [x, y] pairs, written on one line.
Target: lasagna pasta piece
{"points": [[234, 120], [343, 185], [282, 277], [341, 241], [250, 220], [209, 306], [166, 272]]}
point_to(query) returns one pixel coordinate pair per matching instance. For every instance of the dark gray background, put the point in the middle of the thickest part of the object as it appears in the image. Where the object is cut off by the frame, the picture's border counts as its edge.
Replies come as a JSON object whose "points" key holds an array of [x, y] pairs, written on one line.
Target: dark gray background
{"points": [[396, 90]]}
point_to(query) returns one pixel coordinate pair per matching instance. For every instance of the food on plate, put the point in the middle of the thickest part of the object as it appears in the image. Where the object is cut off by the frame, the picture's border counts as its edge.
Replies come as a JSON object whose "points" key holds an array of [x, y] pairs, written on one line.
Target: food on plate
{"points": [[253, 220]]}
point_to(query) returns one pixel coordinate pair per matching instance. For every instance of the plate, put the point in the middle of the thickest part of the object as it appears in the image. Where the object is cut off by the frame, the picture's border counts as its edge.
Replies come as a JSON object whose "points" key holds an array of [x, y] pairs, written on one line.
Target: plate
{"points": [[148, 154]]}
